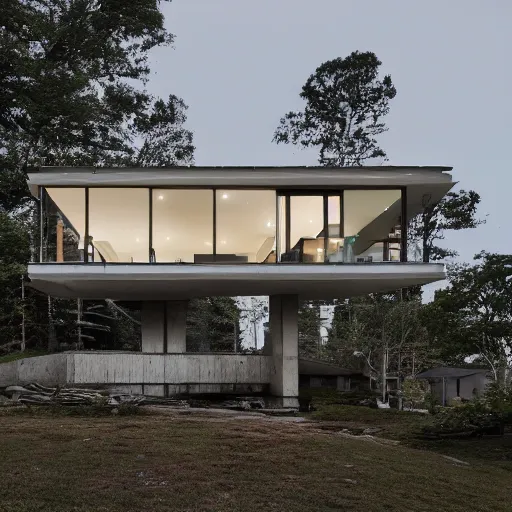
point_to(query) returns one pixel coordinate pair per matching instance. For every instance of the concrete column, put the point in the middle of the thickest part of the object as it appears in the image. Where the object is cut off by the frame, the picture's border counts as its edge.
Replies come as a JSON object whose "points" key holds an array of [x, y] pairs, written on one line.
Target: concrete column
{"points": [[284, 335], [152, 326], [176, 326]]}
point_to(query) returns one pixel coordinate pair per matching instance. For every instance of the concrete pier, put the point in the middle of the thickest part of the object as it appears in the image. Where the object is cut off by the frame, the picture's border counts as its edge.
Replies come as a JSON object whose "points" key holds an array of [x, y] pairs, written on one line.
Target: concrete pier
{"points": [[164, 326], [284, 349]]}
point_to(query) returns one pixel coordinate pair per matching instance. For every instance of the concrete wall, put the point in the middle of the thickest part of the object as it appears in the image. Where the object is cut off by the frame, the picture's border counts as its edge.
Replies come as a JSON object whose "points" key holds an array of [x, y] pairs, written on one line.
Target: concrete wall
{"points": [[46, 370], [151, 374]]}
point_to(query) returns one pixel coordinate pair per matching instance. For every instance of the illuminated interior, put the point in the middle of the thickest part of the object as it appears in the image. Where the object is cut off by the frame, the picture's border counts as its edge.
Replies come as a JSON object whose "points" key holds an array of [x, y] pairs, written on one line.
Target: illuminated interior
{"points": [[222, 226]]}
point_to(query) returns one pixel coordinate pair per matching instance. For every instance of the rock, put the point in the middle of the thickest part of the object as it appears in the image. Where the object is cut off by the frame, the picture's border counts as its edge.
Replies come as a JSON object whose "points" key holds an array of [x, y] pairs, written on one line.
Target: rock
{"points": [[457, 461], [350, 481], [371, 430]]}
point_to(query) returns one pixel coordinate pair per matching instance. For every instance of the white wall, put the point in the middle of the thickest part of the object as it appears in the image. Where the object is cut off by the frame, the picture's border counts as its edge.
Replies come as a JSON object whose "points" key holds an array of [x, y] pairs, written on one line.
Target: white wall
{"points": [[467, 384]]}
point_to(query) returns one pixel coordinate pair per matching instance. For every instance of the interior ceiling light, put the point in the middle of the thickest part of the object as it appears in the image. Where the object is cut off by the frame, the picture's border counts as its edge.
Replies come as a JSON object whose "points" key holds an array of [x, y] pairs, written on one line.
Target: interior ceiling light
{"points": [[223, 241], [224, 196], [161, 197]]}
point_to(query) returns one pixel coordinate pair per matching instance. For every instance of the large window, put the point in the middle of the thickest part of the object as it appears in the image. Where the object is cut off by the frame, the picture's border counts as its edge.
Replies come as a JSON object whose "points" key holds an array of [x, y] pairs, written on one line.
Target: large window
{"points": [[142, 225], [306, 226], [63, 224], [372, 224], [182, 226], [119, 225], [246, 226]]}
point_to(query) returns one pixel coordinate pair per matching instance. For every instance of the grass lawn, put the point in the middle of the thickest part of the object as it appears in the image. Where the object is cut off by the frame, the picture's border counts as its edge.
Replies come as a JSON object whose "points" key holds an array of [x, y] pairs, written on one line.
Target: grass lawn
{"points": [[407, 428], [184, 463], [14, 356]]}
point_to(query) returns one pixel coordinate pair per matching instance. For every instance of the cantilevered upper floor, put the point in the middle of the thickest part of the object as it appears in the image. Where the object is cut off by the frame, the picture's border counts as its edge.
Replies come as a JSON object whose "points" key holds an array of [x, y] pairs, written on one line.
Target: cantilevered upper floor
{"points": [[226, 217]]}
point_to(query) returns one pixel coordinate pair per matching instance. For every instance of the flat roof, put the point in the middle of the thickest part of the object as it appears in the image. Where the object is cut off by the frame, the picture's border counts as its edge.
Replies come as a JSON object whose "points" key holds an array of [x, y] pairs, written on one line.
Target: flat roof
{"points": [[158, 281], [451, 373], [241, 177], [61, 168]]}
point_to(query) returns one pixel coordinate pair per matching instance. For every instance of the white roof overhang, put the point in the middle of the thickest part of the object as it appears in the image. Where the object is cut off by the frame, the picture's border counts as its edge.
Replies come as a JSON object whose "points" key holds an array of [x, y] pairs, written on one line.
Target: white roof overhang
{"points": [[133, 282]]}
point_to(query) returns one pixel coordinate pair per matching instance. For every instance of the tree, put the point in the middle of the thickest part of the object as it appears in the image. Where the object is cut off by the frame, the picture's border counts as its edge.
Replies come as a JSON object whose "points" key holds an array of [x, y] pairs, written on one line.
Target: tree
{"points": [[14, 246], [456, 211], [309, 329], [68, 75], [383, 333], [72, 92], [473, 316], [345, 103], [212, 325]]}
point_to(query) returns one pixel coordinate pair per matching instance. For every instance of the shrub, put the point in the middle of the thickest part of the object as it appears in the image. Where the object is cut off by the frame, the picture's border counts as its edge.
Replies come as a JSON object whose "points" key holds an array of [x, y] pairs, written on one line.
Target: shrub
{"points": [[413, 392], [487, 415], [326, 396]]}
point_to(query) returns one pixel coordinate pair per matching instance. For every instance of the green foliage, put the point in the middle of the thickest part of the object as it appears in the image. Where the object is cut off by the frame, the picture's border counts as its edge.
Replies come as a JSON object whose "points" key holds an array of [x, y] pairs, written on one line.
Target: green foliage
{"points": [[456, 211], [14, 255], [212, 324], [15, 356], [432, 402], [487, 415], [68, 76], [345, 103], [323, 396], [472, 315], [414, 392], [72, 92], [309, 329]]}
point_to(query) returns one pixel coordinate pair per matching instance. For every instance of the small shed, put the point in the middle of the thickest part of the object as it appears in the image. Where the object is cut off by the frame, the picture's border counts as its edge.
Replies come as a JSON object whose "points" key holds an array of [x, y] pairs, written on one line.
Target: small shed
{"points": [[449, 383], [319, 374]]}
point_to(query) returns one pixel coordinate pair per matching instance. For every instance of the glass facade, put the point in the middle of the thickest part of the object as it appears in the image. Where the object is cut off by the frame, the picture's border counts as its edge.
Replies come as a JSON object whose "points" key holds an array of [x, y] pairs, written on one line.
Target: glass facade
{"points": [[246, 226], [63, 225], [182, 226], [142, 225], [119, 225]]}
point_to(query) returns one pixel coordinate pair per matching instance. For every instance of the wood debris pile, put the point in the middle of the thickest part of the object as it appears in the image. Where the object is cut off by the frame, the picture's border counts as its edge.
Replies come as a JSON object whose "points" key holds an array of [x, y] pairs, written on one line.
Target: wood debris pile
{"points": [[35, 394]]}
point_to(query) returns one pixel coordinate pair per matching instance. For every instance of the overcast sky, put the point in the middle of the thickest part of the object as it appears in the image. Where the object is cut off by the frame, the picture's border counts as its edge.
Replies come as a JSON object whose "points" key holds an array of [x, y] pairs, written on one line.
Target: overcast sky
{"points": [[240, 65]]}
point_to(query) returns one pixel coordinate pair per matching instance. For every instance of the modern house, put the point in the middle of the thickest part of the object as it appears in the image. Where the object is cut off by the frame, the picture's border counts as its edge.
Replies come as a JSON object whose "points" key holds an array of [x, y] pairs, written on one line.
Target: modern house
{"points": [[462, 383], [161, 236]]}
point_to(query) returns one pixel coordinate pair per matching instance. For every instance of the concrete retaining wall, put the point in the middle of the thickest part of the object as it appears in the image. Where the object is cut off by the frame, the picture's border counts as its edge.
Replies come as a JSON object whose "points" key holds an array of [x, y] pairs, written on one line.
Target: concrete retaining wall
{"points": [[46, 370], [151, 374]]}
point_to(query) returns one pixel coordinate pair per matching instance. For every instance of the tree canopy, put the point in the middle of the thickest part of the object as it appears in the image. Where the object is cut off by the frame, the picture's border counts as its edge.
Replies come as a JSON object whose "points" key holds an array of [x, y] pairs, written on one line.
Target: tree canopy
{"points": [[473, 315], [70, 77], [345, 104], [456, 211]]}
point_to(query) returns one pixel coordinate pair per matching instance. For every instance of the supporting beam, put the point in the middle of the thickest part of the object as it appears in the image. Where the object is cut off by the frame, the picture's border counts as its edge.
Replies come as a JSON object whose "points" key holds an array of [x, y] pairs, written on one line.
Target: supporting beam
{"points": [[284, 333]]}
